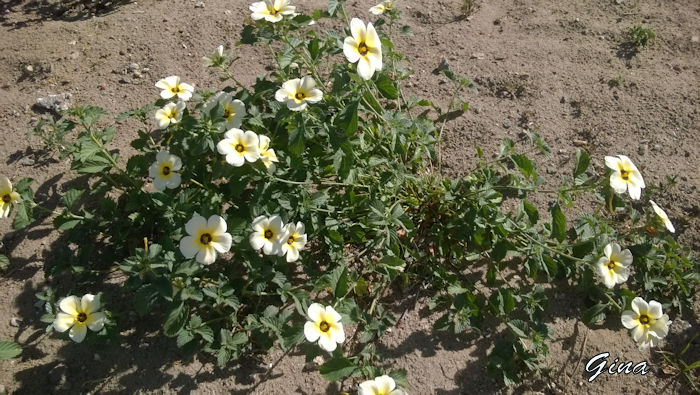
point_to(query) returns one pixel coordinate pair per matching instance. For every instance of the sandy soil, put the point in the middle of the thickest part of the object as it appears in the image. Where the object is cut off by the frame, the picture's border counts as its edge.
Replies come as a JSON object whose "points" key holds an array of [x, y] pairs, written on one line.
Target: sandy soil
{"points": [[560, 68]]}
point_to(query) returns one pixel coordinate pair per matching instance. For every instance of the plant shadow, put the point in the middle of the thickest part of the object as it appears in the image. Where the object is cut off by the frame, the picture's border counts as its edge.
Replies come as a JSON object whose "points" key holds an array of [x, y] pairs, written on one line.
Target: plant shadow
{"points": [[38, 11]]}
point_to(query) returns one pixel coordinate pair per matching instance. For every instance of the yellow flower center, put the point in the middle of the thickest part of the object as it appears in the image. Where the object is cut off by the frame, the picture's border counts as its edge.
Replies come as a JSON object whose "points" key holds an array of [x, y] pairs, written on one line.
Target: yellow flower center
{"points": [[175, 89], [268, 234], [644, 319], [7, 198], [205, 239], [388, 6], [611, 265], [172, 114], [362, 49], [274, 12], [227, 112], [166, 170], [324, 326], [624, 174], [290, 240], [239, 147], [82, 317], [299, 96]]}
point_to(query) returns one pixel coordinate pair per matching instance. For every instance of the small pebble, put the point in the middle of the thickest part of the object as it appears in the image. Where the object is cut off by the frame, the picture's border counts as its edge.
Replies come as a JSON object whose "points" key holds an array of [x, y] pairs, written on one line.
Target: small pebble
{"points": [[199, 4], [506, 124], [14, 322]]}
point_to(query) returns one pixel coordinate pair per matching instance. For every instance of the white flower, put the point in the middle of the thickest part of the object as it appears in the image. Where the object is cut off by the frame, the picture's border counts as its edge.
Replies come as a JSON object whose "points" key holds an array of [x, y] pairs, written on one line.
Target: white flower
{"points": [[293, 240], [171, 113], [216, 58], [78, 314], [206, 238], [625, 176], [171, 86], [164, 171], [234, 109], [324, 327], [664, 218], [363, 47], [267, 235], [648, 322], [382, 385], [8, 197], [614, 267], [298, 92], [239, 146], [381, 7], [267, 154], [271, 10]]}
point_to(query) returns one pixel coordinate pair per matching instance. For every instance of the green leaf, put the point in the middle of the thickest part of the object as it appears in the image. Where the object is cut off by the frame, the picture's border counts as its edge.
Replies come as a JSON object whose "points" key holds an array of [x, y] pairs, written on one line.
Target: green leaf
{"points": [[145, 298], [334, 6], [594, 314], [9, 349], [337, 369], [71, 197], [23, 217], [176, 320], [184, 337], [349, 120], [582, 162], [296, 141], [518, 327], [558, 223], [339, 281], [4, 261], [386, 87], [525, 165], [399, 376]]}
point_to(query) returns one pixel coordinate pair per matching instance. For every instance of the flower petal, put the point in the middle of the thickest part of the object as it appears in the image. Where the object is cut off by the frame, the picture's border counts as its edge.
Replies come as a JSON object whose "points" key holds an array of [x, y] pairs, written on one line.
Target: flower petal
{"points": [[357, 29], [350, 50], [63, 322], [655, 310], [206, 255], [96, 321], [70, 305], [385, 383], [612, 162], [90, 303], [77, 333], [189, 247], [327, 343], [364, 69], [638, 333], [639, 306], [315, 312], [194, 225], [222, 242], [311, 331], [629, 319]]}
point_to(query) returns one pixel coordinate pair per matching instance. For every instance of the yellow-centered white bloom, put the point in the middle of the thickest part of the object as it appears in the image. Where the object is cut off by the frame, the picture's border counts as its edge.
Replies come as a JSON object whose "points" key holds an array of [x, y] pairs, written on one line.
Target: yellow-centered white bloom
{"points": [[205, 238], [239, 146], [648, 322], [381, 7], [216, 58], [271, 10], [234, 109], [267, 234], [171, 86], [267, 154], [664, 218], [324, 326], [8, 197], [171, 113], [164, 171], [364, 47], [614, 267], [78, 314], [298, 92], [382, 385], [293, 240], [625, 176]]}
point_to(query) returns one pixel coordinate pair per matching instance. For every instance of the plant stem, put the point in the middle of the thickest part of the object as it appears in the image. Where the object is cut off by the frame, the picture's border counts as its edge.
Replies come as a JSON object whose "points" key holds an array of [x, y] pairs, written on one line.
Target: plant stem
{"points": [[328, 183], [47, 210], [613, 301], [548, 248]]}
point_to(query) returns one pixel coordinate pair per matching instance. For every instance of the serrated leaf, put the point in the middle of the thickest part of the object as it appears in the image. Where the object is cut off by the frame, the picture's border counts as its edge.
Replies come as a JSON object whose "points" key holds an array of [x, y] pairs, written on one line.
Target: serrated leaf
{"points": [[4, 261], [184, 337], [386, 87], [337, 369], [558, 225], [594, 314], [518, 327], [9, 349], [71, 197], [339, 281], [176, 319], [582, 162], [145, 298]]}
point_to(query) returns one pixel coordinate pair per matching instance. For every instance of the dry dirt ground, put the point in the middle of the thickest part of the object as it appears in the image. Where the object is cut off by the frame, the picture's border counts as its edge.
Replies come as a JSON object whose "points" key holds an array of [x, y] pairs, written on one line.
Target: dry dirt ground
{"points": [[558, 67]]}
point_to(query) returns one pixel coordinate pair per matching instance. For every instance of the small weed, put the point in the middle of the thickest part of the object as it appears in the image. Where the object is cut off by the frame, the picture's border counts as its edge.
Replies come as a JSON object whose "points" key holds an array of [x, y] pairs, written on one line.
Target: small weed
{"points": [[468, 7], [640, 36]]}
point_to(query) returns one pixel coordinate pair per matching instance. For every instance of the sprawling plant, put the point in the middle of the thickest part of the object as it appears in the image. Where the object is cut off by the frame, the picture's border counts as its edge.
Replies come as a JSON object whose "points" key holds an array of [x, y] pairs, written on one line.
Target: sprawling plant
{"points": [[296, 212]]}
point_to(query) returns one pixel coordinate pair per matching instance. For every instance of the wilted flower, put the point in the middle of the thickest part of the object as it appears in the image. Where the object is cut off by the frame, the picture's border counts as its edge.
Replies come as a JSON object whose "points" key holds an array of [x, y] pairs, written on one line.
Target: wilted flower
{"points": [[298, 92], [324, 327], [239, 146], [206, 238], [625, 176], [8, 197], [613, 268], [648, 322], [171, 86], [216, 58], [271, 10], [234, 109], [171, 113], [664, 218], [267, 154], [382, 385], [164, 171], [381, 7], [363, 47], [293, 240], [268, 231], [78, 314]]}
